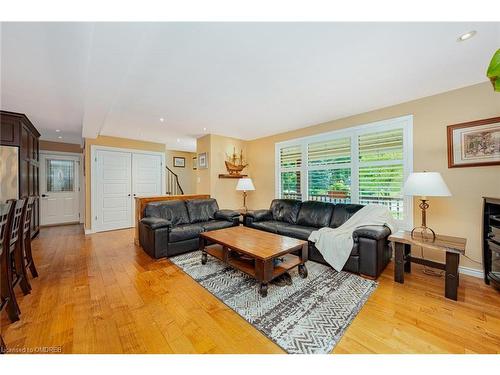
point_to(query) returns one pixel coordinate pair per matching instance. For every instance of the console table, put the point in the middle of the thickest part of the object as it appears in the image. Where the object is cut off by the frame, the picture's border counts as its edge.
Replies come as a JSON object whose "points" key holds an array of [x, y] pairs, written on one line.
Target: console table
{"points": [[452, 246]]}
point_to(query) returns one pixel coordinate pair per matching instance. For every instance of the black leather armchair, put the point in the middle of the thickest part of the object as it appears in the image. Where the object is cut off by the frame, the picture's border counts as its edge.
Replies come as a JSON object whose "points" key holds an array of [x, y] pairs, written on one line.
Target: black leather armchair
{"points": [[173, 227], [371, 251]]}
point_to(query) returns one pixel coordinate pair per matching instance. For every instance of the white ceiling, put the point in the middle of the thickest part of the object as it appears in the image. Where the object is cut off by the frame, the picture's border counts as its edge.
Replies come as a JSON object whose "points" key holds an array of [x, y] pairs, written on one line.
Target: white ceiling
{"points": [[244, 80]]}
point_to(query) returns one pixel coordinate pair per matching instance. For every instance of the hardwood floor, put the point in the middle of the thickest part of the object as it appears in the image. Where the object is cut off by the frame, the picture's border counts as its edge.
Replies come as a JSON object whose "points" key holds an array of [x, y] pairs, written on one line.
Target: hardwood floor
{"points": [[102, 294]]}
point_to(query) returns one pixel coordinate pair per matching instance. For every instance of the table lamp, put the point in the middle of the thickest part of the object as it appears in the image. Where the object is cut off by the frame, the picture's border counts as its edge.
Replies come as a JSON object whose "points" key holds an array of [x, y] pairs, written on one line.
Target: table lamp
{"points": [[245, 184], [425, 184]]}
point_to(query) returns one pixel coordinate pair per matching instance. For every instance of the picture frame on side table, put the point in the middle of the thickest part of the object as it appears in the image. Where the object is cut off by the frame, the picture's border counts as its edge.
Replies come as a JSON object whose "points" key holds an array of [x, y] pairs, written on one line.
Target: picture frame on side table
{"points": [[474, 143], [179, 162], [203, 160]]}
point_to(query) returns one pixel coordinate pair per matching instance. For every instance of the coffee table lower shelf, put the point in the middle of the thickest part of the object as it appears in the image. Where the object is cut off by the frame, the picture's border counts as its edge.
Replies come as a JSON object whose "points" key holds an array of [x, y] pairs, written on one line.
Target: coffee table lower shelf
{"points": [[256, 268]]}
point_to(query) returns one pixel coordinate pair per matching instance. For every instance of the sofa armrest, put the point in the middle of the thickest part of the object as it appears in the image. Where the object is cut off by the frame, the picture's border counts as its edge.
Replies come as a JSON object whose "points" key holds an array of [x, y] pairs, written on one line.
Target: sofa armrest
{"points": [[374, 232], [259, 215], [229, 215], [156, 222]]}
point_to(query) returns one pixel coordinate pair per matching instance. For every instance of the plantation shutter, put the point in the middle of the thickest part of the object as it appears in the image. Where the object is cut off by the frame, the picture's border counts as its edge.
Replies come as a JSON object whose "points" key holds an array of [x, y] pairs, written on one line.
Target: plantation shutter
{"points": [[381, 170], [290, 164], [330, 178], [335, 151], [291, 157]]}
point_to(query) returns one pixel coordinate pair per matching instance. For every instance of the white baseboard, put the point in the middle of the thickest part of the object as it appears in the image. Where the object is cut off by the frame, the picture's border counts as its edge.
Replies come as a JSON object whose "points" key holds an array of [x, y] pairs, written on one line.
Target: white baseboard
{"points": [[89, 231], [471, 272]]}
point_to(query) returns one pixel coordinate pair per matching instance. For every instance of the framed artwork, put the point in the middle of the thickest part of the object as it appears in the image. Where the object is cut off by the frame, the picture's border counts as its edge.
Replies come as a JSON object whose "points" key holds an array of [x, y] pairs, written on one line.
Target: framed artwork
{"points": [[203, 160], [179, 162], [195, 162], [474, 144]]}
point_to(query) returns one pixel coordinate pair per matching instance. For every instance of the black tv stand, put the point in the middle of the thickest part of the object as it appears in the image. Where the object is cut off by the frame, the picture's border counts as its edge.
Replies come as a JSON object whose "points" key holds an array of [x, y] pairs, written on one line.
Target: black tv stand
{"points": [[491, 241]]}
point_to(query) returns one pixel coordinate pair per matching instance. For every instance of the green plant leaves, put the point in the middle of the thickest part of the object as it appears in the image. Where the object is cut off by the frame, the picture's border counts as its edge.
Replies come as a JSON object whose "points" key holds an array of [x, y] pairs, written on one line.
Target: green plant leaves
{"points": [[493, 72]]}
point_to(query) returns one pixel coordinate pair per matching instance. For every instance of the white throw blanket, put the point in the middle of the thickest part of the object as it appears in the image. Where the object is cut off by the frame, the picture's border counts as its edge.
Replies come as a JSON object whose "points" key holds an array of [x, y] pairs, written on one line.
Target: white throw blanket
{"points": [[335, 244]]}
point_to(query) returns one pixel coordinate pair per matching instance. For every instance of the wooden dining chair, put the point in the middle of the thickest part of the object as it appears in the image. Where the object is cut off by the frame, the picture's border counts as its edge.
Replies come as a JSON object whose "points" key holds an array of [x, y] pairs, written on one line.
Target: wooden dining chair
{"points": [[7, 296], [14, 245], [3, 347], [26, 236]]}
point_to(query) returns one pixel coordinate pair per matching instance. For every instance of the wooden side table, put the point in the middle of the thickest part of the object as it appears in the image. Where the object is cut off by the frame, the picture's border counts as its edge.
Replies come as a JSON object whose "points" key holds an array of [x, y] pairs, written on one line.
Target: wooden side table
{"points": [[452, 246]]}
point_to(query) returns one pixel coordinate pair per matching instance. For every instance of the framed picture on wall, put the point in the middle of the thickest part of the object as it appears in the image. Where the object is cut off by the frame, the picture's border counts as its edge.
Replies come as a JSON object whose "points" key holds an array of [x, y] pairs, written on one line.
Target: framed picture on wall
{"points": [[203, 160], [179, 162], [195, 162], [474, 144]]}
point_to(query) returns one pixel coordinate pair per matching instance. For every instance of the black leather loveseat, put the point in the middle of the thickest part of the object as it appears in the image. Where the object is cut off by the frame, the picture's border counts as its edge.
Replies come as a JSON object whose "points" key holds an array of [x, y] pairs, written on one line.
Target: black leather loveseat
{"points": [[293, 218], [172, 227]]}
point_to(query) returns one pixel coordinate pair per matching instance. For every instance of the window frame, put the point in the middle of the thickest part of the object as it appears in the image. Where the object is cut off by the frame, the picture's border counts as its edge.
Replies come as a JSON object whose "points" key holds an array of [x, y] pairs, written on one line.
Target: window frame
{"points": [[404, 122]]}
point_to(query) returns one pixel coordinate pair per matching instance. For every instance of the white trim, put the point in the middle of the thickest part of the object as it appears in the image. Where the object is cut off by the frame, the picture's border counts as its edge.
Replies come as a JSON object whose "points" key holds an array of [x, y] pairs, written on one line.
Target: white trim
{"points": [[471, 272], [93, 165], [388, 124], [89, 231], [402, 122]]}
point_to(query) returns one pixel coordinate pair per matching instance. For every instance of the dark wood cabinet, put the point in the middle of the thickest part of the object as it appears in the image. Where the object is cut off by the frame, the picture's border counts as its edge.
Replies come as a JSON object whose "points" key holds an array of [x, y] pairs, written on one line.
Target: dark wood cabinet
{"points": [[18, 131]]}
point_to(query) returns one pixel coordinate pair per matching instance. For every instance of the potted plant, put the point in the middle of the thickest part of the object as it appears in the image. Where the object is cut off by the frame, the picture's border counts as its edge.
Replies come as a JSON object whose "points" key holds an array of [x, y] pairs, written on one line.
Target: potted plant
{"points": [[493, 72], [338, 190]]}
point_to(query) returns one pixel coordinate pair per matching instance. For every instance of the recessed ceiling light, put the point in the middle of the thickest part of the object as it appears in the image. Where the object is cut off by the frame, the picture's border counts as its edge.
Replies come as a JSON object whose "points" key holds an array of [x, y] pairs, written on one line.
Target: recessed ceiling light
{"points": [[464, 37], [162, 119], [59, 137], [204, 129], [58, 130], [178, 140]]}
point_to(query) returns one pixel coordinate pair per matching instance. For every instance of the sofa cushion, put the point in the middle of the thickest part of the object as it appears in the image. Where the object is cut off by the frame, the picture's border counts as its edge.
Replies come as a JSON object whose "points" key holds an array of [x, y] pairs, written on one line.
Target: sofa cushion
{"points": [[285, 210], [342, 212], [174, 211], [268, 226], [201, 209], [315, 214], [295, 231], [216, 224], [184, 232]]}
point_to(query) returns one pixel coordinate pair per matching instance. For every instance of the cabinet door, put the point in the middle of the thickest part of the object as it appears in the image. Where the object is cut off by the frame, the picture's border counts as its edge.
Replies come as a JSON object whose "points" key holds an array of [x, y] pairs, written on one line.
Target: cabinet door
{"points": [[24, 173], [36, 149], [25, 143], [9, 131]]}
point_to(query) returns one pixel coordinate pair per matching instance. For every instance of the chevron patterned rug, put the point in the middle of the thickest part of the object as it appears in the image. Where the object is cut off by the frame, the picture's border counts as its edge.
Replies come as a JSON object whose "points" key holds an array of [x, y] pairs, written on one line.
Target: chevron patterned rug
{"points": [[309, 316]]}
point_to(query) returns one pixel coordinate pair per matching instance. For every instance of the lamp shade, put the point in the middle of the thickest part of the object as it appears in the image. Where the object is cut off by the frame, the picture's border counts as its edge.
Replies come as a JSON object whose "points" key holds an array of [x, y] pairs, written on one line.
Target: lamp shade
{"points": [[245, 184], [426, 184]]}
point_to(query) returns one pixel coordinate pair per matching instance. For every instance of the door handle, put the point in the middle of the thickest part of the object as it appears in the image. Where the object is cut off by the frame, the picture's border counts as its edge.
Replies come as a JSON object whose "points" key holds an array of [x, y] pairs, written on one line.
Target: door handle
{"points": [[44, 195], [129, 195]]}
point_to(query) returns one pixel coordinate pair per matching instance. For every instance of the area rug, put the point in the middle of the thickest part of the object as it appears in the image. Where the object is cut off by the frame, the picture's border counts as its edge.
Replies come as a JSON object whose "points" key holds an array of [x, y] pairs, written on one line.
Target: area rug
{"points": [[309, 316]]}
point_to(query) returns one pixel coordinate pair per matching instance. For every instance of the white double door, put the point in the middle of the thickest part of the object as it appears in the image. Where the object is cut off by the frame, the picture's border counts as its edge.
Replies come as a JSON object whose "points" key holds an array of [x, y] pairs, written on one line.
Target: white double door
{"points": [[118, 177]]}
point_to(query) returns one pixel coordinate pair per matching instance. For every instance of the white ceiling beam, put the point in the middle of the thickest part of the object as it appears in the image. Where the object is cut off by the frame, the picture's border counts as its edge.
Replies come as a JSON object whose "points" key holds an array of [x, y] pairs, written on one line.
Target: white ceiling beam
{"points": [[114, 49]]}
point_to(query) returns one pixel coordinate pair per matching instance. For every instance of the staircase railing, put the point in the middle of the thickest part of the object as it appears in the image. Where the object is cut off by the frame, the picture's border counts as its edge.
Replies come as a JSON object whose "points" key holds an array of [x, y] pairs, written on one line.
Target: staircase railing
{"points": [[173, 185]]}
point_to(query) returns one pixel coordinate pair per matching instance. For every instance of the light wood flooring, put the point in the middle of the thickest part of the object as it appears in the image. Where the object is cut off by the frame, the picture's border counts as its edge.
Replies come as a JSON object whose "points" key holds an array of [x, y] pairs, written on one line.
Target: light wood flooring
{"points": [[102, 294]]}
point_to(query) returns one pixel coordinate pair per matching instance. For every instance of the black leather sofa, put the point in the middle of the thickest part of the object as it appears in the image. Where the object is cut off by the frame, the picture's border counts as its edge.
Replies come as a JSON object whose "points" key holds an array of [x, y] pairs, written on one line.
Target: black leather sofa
{"points": [[371, 251], [172, 227]]}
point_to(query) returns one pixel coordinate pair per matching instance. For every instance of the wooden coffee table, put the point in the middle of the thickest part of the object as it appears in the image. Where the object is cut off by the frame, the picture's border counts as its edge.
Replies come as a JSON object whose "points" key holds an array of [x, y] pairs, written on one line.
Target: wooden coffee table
{"points": [[253, 251]]}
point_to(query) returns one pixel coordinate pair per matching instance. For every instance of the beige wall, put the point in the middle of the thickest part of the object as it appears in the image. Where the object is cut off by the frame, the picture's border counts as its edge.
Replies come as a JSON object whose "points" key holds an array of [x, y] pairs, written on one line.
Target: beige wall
{"points": [[203, 175], [60, 147], [186, 175], [459, 215], [223, 189], [110, 142]]}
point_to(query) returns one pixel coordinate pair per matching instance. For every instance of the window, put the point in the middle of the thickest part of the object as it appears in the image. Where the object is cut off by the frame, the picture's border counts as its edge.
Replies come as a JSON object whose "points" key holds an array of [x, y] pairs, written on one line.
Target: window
{"points": [[366, 164], [60, 175]]}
